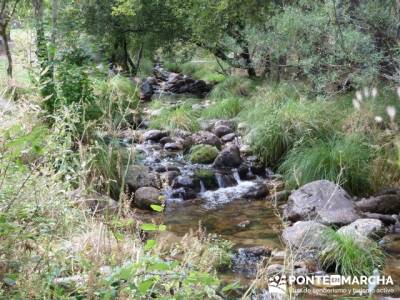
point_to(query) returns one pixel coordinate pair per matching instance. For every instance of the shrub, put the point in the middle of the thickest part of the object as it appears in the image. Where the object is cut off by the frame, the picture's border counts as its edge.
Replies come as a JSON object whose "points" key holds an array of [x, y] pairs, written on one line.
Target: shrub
{"points": [[225, 108], [181, 117], [203, 154], [347, 159], [351, 255]]}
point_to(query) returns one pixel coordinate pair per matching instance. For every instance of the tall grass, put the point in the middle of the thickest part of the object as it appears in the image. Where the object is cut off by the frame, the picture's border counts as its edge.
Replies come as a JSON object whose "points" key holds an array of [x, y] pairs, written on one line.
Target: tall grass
{"points": [[224, 108], [233, 86], [347, 158], [181, 117], [351, 255]]}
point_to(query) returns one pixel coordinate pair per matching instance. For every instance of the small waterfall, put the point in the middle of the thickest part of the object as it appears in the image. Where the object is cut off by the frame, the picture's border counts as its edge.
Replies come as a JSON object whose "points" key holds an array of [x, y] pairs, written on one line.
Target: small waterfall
{"points": [[220, 180], [236, 176], [202, 187], [250, 173]]}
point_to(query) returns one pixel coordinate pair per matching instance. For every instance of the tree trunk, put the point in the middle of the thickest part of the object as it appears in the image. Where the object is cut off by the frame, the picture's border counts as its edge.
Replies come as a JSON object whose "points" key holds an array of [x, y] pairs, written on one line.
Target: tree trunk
{"points": [[4, 36], [139, 58], [245, 55]]}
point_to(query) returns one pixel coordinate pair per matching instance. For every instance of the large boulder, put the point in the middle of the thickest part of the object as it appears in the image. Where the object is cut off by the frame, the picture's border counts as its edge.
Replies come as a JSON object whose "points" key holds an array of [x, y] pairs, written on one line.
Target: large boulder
{"points": [[207, 138], [370, 228], [141, 176], [222, 130], [304, 235], [322, 201], [147, 89], [147, 196], [228, 158], [203, 154], [387, 202]]}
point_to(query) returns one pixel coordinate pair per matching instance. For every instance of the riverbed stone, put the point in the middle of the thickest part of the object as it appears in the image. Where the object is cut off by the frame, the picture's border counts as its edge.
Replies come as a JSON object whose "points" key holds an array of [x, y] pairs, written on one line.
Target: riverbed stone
{"points": [[203, 154], [147, 196], [222, 130], [370, 228], [228, 123], [229, 157], [257, 191], [168, 177], [384, 203], [166, 140], [228, 137], [322, 201], [154, 135], [207, 138], [305, 235], [141, 176], [173, 146]]}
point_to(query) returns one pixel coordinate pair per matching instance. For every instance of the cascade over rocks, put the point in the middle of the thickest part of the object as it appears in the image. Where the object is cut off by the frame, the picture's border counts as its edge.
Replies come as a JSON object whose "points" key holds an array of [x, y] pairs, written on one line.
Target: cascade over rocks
{"points": [[322, 201], [165, 82]]}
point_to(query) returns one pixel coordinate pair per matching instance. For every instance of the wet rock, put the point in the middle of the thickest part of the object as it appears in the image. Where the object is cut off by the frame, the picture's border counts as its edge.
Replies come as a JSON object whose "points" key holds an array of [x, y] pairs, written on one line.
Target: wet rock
{"points": [[154, 135], [245, 172], [147, 89], [246, 260], [166, 140], [258, 191], [203, 154], [305, 235], [228, 123], [186, 187], [166, 167], [141, 176], [371, 228], [229, 157], [225, 179], [146, 196], [245, 149], [173, 147], [182, 193], [168, 177], [322, 201], [386, 219], [208, 178], [228, 137], [385, 203], [222, 130], [207, 138]]}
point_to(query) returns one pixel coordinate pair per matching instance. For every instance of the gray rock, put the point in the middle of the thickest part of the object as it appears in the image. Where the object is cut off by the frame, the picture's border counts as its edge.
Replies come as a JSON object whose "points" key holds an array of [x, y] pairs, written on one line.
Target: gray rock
{"points": [[228, 123], [275, 269], [146, 196], [304, 235], [166, 140], [173, 146], [141, 176], [386, 203], [208, 138], [258, 191], [228, 137], [322, 201], [154, 135], [222, 130], [386, 219], [229, 157], [370, 228]]}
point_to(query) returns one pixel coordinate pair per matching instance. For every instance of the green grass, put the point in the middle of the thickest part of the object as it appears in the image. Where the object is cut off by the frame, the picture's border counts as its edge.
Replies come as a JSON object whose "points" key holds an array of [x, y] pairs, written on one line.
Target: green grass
{"points": [[182, 117], [225, 108], [207, 70], [233, 86], [346, 159], [349, 256]]}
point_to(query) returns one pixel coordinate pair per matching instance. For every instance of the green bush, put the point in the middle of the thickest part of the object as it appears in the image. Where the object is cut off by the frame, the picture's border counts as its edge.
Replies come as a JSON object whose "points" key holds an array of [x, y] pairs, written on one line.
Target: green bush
{"points": [[225, 108], [203, 154], [347, 160], [351, 255]]}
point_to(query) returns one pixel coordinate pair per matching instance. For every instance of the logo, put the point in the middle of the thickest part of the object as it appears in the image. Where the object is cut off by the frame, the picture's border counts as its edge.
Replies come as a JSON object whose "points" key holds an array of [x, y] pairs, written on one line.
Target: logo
{"points": [[277, 284]]}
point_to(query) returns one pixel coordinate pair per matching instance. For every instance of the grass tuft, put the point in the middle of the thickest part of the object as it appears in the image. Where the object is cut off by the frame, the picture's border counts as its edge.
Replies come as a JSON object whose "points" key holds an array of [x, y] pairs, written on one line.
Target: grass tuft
{"points": [[225, 109]]}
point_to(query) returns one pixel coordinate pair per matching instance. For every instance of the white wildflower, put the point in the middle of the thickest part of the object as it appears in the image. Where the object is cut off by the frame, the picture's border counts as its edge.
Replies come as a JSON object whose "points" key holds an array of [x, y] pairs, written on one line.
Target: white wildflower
{"points": [[359, 96], [378, 119], [374, 92], [391, 111], [366, 92], [356, 104]]}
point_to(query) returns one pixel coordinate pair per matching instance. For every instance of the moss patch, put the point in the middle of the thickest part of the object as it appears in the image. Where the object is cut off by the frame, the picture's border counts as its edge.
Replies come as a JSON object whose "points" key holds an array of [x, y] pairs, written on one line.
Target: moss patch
{"points": [[203, 154]]}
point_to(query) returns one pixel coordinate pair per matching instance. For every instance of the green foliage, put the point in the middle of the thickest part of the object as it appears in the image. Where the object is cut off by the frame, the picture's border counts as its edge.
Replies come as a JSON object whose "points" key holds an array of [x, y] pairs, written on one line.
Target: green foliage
{"points": [[207, 177], [347, 160], [203, 154], [232, 86], [351, 255], [180, 117], [280, 118], [224, 108]]}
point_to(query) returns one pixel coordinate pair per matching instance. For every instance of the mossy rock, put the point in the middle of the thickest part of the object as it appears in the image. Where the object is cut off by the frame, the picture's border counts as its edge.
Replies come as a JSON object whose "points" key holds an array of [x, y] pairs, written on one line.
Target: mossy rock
{"points": [[207, 177], [203, 154]]}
